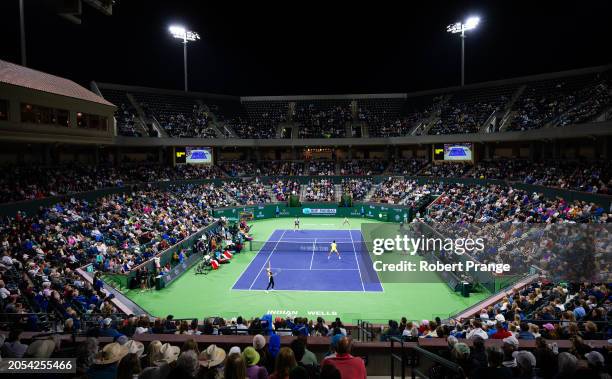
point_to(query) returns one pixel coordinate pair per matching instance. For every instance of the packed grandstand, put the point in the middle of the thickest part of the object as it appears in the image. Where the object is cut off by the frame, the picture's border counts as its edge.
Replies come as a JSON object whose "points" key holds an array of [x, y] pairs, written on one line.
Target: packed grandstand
{"points": [[76, 215]]}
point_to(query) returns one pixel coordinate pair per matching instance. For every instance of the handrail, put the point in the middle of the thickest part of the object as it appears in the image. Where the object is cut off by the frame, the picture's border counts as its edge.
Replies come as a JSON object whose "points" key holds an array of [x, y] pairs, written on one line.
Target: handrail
{"points": [[401, 358], [365, 331], [419, 351]]}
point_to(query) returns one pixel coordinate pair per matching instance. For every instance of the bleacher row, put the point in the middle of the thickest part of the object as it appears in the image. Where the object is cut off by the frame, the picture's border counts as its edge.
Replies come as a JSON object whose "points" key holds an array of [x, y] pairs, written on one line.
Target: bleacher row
{"points": [[519, 106], [18, 182]]}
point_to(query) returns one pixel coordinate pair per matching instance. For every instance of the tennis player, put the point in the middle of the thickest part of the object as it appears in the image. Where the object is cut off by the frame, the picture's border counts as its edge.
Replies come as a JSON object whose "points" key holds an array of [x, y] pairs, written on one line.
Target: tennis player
{"points": [[346, 222], [270, 279], [296, 224], [334, 249]]}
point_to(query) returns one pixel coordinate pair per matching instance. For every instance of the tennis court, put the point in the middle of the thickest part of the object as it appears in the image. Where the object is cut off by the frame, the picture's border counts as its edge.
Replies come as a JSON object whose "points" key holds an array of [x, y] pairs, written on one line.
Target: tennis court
{"points": [[299, 261], [194, 295]]}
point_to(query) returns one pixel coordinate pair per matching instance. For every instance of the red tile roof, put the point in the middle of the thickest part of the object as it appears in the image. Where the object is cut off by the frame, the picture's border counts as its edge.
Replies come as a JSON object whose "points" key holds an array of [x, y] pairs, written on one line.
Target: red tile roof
{"points": [[17, 75]]}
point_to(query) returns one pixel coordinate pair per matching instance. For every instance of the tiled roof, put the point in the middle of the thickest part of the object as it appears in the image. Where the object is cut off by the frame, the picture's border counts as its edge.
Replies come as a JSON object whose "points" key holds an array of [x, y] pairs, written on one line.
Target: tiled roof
{"points": [[17, 75]]}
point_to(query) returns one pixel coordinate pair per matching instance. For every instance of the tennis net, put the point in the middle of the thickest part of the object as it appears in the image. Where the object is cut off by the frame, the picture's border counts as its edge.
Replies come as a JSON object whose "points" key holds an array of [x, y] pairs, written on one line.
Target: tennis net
{"points": [[305, 246]]}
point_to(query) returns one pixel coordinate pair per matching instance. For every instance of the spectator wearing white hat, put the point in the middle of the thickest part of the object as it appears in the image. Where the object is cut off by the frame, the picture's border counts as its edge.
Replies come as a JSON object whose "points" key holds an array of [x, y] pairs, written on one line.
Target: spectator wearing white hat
{"points": [[40, 349], [106, 361], [161, 357]]}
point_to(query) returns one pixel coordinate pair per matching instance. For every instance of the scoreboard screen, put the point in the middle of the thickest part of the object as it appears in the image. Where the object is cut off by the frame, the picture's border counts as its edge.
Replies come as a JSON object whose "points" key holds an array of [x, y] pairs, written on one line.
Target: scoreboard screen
{"points": [[199, 155], [453, 152], [193, 155]]}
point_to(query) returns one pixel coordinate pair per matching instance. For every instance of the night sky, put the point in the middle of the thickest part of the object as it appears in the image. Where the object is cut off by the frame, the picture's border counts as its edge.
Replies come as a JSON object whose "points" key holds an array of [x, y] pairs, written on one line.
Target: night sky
{"points": [[267, 48]]}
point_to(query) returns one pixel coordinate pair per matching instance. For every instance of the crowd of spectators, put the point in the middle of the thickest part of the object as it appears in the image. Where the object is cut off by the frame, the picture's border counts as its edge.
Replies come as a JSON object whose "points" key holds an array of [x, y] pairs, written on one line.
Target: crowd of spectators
{"points": [[590, 103], [125, 116], [282, 168], [34, 181], [320, 190], [320, 168], [462, 118], [561, 102], [322, 122], [382, 126], [281, 189], [400, 191], [127, 357], [447, 170], [586, 176], [407, 166], [494, 203], [239, 168], [245, 128], [357, 188], [247, 192], [539, 312], [508, 169], [115, 231], [194, 125], [363, 167]]}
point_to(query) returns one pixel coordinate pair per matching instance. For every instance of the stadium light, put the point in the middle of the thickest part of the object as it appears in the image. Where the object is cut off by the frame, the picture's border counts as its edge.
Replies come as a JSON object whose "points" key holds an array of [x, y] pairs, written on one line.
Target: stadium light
{"points": [[180, 32], [459, 27]]}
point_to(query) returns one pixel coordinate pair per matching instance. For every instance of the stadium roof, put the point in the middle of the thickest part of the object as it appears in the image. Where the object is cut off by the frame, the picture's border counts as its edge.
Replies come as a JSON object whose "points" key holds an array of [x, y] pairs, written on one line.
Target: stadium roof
{"points": [[21, 76]]}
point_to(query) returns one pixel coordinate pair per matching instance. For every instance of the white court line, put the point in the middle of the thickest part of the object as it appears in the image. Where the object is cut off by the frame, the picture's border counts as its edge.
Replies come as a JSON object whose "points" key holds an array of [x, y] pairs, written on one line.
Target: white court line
{"points": [[314, 245], [247, 266], [317, 269], [309, 238], [357, 260], [267, 260], [275, 290]]}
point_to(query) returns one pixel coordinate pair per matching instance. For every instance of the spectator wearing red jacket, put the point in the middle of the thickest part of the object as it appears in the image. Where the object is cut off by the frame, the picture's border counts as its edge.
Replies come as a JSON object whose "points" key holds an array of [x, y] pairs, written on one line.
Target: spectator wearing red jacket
{"points": [[348, 365], [501, 332]]}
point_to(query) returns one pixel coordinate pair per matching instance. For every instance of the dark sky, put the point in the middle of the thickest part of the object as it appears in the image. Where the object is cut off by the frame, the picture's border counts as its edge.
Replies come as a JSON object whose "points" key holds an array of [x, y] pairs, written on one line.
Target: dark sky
{"points": [[268, 48]]}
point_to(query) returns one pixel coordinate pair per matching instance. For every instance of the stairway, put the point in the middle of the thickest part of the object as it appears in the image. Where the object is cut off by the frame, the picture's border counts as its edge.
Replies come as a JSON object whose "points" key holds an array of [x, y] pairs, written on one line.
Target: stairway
{"points": [[303, 192], [370, 193], [146, 119], [509, 114], [423, 128], [488, 126], [268, 188], [220, 129], [338, 192], [141, 118]]}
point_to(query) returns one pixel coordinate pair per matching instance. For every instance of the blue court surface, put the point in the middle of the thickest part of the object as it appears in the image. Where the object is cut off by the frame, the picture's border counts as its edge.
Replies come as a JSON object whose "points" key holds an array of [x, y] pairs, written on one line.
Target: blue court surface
{"points": [[299, 260]]}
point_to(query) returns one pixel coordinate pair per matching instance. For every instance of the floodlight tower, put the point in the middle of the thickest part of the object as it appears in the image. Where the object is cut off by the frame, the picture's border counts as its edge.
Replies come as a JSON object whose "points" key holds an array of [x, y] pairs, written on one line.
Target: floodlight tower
{"points": [[180, 32], [459, 27]]}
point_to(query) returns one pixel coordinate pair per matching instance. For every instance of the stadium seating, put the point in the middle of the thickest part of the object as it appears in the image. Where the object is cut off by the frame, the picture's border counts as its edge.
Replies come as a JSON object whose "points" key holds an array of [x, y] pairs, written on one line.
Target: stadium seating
{"points": [[125, 113], [322, 118], [263, 118], [383, 116], [547, 101], [467, 110]]}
